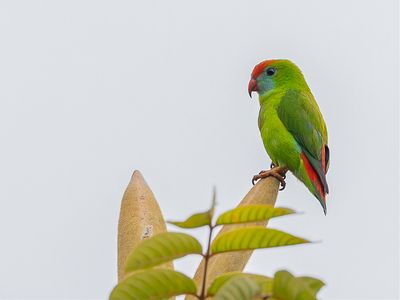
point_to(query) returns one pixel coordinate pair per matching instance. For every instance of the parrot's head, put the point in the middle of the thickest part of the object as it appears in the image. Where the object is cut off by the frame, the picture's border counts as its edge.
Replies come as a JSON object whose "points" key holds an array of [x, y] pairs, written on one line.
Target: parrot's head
{"points": [[274, 74]]}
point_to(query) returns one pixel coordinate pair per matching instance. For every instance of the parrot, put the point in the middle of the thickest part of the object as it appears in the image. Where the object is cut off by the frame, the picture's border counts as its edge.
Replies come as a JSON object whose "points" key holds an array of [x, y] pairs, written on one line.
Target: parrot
{"points": [[292, 127]]}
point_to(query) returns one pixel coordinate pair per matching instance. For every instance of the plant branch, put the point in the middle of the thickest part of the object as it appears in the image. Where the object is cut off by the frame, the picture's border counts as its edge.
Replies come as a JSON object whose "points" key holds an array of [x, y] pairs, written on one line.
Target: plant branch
{"points": [[207, 256]]}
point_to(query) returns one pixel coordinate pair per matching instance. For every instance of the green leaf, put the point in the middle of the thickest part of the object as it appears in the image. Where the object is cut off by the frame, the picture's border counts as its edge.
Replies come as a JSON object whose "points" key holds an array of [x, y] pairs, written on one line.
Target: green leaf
{"points": [[153, 284], [283, 287], [314, 284], [263, 281], [200, 219], [252, 213], [238, 288], [161, 248], [196, 220], [288, 287], [253, 238]]}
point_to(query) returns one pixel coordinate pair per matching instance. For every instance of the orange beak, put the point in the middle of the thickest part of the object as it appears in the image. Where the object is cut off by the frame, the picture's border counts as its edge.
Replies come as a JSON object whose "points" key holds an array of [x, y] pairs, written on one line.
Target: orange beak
{"points": [[252, 86]]}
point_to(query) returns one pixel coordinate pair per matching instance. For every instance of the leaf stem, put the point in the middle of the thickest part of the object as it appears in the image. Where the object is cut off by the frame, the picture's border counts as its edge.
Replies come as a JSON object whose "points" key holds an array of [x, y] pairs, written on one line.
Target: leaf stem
{"points": [[207, 256]]}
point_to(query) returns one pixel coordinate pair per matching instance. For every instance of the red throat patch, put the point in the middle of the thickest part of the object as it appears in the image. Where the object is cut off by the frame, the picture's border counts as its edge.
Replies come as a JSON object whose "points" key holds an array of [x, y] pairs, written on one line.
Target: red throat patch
{"points": [[258, 69]]}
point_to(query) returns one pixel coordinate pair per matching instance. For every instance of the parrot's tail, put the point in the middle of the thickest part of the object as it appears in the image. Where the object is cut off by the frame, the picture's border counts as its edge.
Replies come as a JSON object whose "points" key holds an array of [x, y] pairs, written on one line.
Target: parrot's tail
{"points": [[312, 173]]}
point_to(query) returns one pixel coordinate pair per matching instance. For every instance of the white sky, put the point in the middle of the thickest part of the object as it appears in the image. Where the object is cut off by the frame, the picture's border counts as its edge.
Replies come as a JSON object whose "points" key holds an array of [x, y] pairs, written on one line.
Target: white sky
{"points": [[91, 90]]}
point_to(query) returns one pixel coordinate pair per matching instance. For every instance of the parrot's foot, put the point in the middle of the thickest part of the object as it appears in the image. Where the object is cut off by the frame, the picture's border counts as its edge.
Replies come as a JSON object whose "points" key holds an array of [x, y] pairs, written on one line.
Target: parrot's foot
{"points": [[277, 172]]}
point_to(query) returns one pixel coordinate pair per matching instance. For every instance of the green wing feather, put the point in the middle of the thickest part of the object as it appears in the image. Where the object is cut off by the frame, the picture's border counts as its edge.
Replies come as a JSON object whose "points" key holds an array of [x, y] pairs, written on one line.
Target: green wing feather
{"points": [[300, 114]]}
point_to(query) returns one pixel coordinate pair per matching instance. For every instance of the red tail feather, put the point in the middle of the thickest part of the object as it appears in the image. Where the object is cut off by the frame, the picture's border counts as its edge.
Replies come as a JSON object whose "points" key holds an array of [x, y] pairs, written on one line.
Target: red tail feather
{"points": [[313, 175]]}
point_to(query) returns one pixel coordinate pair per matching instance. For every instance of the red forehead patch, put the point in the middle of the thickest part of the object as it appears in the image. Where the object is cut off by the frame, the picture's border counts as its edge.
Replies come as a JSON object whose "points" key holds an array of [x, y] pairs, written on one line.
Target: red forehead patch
{"points": [[258, 69]]}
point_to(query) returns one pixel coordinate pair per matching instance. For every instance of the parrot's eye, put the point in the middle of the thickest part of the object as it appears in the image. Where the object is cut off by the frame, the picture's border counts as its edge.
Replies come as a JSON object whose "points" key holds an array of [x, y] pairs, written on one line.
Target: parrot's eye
{"points": [[271, 71]]}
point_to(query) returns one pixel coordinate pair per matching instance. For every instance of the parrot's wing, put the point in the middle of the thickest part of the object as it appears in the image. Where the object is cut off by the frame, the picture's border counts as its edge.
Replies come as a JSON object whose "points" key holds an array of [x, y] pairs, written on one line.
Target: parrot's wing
{"points": [[300, 114]]}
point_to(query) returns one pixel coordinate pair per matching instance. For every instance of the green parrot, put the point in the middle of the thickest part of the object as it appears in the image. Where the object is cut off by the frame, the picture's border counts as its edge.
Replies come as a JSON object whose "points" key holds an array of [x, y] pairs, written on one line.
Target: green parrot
{"points": [[291, 125]]}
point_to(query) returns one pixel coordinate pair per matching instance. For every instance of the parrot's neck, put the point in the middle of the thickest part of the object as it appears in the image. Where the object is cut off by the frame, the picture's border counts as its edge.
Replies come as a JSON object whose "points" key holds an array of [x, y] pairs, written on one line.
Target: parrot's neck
{"points": [[270, 97], [279, 92]]}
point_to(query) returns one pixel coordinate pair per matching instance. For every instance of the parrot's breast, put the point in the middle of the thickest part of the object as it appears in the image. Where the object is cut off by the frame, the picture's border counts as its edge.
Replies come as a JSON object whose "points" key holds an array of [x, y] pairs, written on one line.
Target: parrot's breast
{"points": [[278, 141]]}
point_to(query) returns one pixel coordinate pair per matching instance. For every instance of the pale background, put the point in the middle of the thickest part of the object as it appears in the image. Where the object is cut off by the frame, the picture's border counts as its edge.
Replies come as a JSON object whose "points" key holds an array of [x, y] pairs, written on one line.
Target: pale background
{"points": [[91, 90]]}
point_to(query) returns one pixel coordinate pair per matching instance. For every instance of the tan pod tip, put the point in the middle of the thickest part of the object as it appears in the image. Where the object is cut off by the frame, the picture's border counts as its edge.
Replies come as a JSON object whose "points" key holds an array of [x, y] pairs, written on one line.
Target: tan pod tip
{"points": [[140, 218]]}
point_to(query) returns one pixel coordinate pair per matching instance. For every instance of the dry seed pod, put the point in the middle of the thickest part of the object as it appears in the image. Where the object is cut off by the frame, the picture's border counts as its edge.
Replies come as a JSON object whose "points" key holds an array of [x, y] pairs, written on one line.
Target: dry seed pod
{"points": [[264, 192], [140, 218]]}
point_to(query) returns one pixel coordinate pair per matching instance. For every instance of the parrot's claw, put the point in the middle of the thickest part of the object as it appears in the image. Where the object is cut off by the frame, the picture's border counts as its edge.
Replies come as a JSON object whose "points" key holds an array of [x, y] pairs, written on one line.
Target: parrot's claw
{"points": [[277, 172], [283, 185], [272, 166]]}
